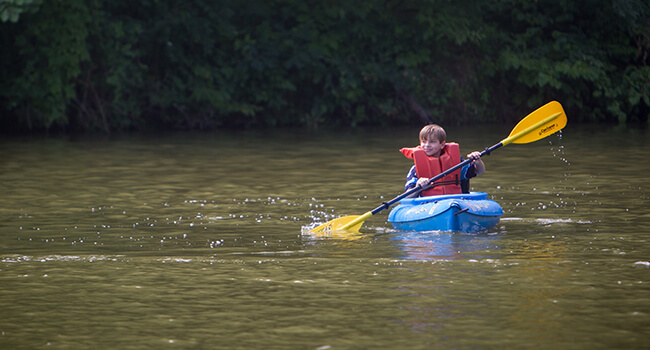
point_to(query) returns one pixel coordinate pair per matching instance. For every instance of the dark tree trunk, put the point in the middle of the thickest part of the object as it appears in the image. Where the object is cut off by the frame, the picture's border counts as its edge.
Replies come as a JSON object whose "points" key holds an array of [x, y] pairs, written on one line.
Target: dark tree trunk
{"points": [[413, 105]]}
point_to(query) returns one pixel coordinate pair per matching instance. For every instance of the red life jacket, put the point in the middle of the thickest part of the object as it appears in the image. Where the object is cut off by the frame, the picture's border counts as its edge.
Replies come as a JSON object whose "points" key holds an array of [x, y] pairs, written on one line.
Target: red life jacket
{"points": [[429, 167]]}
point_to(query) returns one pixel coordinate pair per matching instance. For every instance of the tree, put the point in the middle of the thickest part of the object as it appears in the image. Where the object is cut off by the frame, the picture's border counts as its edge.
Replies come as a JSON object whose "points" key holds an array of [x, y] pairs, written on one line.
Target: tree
{"points": [[109, 65], [10, 10]]}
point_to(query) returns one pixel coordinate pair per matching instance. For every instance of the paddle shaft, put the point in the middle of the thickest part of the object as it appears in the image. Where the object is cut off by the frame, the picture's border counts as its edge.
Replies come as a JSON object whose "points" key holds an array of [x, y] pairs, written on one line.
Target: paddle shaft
{"points": [[485, 152], [416, 189], [419, 189], [512, 138]]}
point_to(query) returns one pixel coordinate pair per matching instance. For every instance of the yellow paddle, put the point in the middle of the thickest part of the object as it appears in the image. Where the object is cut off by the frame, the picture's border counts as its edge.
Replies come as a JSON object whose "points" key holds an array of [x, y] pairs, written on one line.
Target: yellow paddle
{"points": [[544, 121]]}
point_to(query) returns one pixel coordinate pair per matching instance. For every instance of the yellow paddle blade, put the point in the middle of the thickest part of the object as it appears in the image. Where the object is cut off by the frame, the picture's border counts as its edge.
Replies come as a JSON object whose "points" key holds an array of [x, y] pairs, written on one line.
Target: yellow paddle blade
{"points": [[350, 223], [544, 121]]}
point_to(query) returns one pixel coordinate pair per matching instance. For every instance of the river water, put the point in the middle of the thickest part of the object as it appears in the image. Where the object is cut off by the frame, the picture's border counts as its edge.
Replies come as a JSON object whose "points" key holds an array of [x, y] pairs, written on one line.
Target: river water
{"points": [[194, 241]]}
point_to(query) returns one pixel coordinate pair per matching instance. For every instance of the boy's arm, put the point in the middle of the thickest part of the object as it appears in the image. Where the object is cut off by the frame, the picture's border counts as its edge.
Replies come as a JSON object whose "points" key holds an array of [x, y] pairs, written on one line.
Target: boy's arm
{"points": [[411, 179], [479, 166]]}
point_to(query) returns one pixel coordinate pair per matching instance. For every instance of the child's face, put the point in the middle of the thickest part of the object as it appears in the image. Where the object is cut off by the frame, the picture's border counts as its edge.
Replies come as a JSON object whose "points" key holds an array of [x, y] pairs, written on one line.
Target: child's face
{"points": [[432, 146]]}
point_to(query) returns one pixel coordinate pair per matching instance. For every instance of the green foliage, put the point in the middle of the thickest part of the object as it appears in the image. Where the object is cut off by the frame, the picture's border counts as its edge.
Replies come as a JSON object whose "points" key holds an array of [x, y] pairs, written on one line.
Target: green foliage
{"points": [[108, 65], [46, 56], [589, 55], [10, 10]]}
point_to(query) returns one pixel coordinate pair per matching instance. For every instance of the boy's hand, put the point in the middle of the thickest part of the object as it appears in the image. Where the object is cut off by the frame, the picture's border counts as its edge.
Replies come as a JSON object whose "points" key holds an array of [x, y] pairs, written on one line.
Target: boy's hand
{"points": [[478, 163], [474, 155], [423, 182]]}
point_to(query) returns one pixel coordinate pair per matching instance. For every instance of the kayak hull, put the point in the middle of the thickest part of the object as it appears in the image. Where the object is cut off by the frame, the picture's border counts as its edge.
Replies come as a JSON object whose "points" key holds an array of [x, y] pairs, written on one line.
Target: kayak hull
{"points": [[466, 213]]}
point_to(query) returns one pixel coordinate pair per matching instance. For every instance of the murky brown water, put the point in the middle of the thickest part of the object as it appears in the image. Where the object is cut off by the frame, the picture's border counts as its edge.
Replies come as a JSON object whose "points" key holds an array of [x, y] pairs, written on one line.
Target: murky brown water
{"points": [[194, 241]]}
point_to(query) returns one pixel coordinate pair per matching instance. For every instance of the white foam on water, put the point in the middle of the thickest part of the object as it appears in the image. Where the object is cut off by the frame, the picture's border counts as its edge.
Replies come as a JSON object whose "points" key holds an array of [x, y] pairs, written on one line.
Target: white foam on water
{"points": [[560, 221]]}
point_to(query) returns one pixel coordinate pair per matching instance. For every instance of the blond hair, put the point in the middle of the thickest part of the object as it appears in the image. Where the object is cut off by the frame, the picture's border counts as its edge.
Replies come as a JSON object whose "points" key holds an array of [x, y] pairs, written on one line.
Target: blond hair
{"points": [[433, 131]]}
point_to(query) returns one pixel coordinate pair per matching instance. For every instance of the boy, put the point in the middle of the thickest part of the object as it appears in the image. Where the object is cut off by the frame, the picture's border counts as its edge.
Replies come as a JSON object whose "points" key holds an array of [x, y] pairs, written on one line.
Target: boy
{"points": [[433, 156]]}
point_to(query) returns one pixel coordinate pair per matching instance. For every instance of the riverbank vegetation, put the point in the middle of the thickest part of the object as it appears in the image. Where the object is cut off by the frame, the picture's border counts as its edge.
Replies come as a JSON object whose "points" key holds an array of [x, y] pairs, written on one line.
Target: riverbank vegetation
{"points": [[106, 65]]}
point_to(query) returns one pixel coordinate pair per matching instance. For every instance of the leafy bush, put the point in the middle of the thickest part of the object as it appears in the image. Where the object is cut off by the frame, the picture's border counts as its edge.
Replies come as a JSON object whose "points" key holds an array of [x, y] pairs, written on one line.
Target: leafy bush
{"points": [[111, 65]]}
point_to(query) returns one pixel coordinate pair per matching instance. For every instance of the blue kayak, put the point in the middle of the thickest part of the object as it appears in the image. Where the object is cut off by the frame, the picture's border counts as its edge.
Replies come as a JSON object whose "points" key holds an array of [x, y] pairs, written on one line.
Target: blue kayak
{"points": [[468, 213]]}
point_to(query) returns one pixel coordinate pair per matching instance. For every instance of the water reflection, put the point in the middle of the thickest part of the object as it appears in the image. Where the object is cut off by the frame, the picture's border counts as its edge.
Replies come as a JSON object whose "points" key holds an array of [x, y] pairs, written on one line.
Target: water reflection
{"points": [[444, 245]]}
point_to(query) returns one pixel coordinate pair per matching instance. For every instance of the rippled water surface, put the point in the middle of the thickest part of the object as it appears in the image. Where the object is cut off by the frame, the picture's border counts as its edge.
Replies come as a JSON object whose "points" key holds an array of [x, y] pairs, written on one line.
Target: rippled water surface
{"points": [[194, 241]]}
